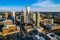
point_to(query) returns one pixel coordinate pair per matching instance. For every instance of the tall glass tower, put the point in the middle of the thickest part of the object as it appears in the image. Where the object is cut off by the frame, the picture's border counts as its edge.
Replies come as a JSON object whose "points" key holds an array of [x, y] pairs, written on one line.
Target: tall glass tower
{"points": [[13, 15], [27, 14]]}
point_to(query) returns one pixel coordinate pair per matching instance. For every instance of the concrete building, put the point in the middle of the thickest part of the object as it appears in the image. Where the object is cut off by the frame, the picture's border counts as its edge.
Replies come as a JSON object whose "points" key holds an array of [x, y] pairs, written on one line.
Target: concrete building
{"points": [[6, 15], [38, 19], [13, 13], [34, 17], [13, 16], [48, 21], [21, 18], [24, 16]]}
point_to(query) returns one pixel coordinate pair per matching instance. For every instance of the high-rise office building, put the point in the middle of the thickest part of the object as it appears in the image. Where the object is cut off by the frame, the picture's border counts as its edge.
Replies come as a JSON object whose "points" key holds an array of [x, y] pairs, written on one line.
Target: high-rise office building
{"points": [[31, 14], [28, 9], [27, 14], [24, 16], [13, 13], [6, 15], [34, 17], [38, 19], [13, 16]]}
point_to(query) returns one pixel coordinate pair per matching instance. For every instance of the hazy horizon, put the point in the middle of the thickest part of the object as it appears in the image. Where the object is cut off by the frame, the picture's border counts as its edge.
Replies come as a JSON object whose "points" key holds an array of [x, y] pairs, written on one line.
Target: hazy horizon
{"points": [[35, 5]]}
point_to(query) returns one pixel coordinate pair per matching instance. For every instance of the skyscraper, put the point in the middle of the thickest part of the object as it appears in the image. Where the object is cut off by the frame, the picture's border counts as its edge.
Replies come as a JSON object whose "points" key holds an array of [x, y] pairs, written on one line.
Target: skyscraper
{"points": [[13, 16], [34, 17], [28, 9], [6, 15], [27, 14], [24, 16], [38, 19]]}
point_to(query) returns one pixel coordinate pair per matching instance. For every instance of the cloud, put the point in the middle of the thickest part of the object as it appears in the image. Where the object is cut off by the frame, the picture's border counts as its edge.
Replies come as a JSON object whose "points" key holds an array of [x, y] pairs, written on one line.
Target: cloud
{"points": [[47, 5], [2, 9], [41, 5], [46, 9]]}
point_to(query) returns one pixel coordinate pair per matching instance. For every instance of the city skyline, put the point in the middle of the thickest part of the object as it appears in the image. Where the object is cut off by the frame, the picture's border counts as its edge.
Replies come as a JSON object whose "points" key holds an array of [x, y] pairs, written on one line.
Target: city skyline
{"points": [[35, 5]]}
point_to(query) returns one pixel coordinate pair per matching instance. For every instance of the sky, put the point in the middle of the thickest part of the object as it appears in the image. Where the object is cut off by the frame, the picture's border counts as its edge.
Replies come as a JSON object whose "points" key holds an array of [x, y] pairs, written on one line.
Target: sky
{"points": [[35, 5]]}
